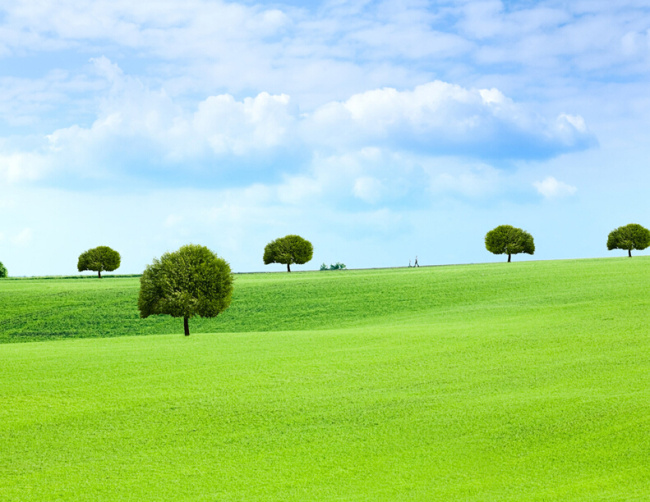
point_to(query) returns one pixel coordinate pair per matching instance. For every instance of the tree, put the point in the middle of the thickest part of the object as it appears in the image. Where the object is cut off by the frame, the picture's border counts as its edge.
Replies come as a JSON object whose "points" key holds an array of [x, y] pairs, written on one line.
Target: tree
{"points": [[287, 250], [3, 270], [632, 236], [188, 282], [509, 240], [99, 259]]}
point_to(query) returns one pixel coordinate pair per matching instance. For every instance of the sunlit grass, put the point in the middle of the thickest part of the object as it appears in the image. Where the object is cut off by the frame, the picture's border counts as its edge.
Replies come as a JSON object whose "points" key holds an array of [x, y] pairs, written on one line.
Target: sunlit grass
{"points": [[527, 381]]}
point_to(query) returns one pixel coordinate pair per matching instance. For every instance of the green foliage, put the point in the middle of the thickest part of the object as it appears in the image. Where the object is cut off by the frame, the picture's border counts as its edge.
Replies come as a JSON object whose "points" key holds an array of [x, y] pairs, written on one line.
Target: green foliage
{"points": [[336, 266], [288, 250], [47, 309], [509, 240], [629, 237], [99, 259], [3, 271], [456, 383], [192, 281]]}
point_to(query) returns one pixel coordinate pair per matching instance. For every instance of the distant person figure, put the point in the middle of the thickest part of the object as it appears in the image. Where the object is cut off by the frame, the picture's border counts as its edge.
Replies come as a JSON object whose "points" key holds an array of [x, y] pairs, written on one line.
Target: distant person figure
{"points": [[409, 263], [416, 262]]}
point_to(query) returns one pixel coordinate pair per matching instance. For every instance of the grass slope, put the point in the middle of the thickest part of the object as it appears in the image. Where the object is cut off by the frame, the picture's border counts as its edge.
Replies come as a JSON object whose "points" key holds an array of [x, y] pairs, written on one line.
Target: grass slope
{"points": [[41, 309], [527, 381]]}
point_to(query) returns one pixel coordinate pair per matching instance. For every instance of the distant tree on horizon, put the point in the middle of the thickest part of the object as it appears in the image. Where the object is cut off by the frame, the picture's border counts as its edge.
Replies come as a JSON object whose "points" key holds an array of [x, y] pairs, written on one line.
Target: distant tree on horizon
{"points": [[188, 282], [288, 250], [3, 271], [506, 239], [629, 237], [99, 259]]}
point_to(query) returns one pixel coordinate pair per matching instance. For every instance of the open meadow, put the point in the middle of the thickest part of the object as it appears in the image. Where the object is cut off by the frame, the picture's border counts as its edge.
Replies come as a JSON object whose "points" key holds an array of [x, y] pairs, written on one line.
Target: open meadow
{"points": [[521, 381]]}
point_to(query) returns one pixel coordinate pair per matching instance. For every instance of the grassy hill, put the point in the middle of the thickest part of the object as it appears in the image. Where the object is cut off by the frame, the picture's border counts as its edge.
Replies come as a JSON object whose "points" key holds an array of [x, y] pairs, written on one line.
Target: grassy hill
{"points": [[522, 381], [40, 309]]}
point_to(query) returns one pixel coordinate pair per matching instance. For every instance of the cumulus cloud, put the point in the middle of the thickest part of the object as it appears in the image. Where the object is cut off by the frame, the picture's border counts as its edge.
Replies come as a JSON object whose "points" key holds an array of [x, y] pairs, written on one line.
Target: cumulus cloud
{"points": [[551, 188], [240, 126], [374, 177], [335, 50], [139, 129], [369, 175], [142, 129], [442, 118]]}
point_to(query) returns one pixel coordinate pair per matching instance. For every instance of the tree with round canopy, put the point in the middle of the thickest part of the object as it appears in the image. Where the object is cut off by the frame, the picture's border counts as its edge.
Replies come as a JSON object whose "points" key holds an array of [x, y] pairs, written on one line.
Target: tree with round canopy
{"points": [[99, 259], [629, 237], [192, 281], [506, 239], [288, 250]]}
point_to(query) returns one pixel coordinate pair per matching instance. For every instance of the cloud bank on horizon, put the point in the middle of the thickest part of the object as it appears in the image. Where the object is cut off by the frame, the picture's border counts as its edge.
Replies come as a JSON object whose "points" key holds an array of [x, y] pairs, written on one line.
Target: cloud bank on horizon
{"points": [[377, 115], [433, 119]]}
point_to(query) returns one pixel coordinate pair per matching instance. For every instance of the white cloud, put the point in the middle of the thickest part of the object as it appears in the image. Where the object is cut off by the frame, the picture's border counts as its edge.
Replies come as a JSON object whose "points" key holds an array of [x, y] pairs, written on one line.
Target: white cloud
{"points": [[371, 175], [170, 28], [587, 36], [575, 122], [203, 86], [368, 189], [107, 69], [443, 118], [138, 125], [552, 188], [231, 126], [149, 130], [488, 19], [380, 177], [335, 50]]}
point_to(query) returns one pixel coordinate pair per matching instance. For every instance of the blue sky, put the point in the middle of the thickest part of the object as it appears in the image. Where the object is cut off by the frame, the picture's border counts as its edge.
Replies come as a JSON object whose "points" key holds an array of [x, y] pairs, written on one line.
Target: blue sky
{"points": [[379, 130]]}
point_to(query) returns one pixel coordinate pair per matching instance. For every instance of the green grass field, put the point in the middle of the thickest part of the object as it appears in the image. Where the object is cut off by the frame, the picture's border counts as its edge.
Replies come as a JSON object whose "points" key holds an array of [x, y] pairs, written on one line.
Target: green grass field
{"points": [[522, 381]]}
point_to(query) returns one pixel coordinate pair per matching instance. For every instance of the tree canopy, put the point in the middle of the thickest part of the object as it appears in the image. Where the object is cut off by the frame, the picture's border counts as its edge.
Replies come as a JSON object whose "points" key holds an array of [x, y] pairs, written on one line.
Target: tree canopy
{"points": [[629, 237], [288, 250], [506, 239], [188, 282], [99, 259], [3, 270]]}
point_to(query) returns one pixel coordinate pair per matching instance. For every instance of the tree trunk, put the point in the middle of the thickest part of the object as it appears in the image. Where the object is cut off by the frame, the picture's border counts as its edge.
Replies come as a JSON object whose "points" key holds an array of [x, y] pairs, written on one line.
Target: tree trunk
{"points": [[288, 268], [508, 257], [186, 325], [99, 274], [629, 253]]}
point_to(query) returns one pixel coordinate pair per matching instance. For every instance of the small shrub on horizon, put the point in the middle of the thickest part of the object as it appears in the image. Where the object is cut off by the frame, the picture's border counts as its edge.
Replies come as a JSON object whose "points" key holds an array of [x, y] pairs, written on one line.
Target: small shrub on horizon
{"points": [[336, 266]]}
